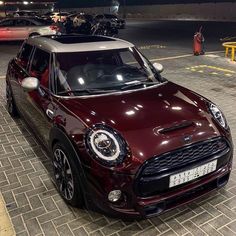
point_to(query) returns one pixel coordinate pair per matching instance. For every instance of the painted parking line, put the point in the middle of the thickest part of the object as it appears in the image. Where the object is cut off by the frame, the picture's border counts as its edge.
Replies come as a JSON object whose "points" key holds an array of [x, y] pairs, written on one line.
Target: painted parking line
{"points": [[215, 68], [221, 69], [2, 76], [165, 58], [212, 55], [182, 56], [6, 227], [212, 70], [148, 47]]}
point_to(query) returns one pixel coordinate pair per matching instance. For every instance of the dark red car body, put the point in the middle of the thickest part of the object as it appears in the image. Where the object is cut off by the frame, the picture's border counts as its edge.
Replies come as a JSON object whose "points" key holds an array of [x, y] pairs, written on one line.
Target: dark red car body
{"points": [[165, 119]]}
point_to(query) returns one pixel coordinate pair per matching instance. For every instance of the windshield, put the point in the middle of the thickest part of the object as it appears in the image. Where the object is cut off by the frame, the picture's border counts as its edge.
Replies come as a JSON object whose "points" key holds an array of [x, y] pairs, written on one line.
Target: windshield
{"points": [[103, 71]]}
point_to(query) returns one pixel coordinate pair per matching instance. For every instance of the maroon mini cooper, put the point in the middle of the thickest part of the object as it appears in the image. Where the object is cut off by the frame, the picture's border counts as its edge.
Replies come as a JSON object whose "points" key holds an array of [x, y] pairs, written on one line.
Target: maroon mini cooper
{"points": [[123, 139]]}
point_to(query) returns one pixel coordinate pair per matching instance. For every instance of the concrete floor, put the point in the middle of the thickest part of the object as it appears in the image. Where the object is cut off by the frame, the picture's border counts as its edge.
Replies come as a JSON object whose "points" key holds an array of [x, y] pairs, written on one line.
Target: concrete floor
{"points": [[34, 206]]}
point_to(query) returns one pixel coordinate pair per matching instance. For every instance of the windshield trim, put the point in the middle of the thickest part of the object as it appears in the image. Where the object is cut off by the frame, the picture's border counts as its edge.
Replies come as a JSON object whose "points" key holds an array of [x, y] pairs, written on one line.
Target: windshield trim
{"points": [[112, 93]]}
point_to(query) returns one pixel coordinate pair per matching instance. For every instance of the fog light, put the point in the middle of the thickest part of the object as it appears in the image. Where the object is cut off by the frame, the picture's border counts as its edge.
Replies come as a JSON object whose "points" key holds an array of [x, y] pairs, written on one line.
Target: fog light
{"points": [[114, 195]]}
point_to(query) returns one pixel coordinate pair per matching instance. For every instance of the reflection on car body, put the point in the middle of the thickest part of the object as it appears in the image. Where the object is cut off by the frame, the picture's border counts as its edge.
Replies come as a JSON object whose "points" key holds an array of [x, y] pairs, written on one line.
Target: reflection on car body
{"points": [[122, 138]]}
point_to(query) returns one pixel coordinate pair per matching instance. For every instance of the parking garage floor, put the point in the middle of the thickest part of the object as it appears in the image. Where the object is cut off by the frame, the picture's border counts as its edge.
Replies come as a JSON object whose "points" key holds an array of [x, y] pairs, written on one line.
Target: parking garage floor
{"points": [[29, 203]]}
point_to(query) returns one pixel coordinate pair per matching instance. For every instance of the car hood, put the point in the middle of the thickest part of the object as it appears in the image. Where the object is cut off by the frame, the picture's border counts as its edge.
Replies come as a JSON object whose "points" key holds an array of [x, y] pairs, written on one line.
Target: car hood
{"points": [[152, 121]]}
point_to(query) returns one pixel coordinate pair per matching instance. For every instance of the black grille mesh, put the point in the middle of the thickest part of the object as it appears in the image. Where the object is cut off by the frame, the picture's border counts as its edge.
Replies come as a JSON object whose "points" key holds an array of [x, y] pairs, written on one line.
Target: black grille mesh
{"points": [[183, 156]]}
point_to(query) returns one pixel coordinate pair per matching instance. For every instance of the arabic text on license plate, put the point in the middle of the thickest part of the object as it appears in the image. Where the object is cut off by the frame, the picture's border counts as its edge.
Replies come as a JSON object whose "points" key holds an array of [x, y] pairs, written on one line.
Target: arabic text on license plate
{"points": [[192, 174]]}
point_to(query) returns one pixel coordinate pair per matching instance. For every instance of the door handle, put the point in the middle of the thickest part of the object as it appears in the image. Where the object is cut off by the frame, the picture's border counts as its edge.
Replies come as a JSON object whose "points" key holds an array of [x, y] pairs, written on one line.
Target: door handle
{"points": [[50, 113]]}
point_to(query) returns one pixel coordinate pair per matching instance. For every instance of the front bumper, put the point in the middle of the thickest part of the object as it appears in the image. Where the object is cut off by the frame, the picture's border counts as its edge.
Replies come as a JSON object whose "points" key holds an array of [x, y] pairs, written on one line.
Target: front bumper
{"points": [[132, 205]]}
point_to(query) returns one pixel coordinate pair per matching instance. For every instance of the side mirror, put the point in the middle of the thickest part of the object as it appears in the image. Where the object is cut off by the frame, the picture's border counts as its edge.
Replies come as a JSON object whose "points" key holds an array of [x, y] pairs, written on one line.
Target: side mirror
{"points": [[159, 67], [30, 83]]}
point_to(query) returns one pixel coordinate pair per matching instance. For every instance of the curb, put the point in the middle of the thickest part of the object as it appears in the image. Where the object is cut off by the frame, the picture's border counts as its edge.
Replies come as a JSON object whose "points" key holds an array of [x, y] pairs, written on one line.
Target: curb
{"points": [[6, 227]]}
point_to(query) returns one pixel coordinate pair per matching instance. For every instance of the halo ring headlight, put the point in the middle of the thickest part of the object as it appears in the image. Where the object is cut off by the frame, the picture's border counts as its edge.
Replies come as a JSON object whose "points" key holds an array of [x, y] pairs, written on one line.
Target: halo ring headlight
{"points": [[218, 115], [106, 145]]}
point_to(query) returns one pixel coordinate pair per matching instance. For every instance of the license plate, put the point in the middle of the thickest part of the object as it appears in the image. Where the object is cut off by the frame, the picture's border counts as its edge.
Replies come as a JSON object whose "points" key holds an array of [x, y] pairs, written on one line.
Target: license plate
{"points": [[192, 174]]}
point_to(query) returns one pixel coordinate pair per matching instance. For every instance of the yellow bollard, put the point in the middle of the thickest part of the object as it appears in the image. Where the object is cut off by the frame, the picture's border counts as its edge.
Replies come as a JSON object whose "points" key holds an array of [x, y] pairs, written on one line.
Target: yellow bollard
{"points": [[230, 46], [233, 54], [226, 52]]}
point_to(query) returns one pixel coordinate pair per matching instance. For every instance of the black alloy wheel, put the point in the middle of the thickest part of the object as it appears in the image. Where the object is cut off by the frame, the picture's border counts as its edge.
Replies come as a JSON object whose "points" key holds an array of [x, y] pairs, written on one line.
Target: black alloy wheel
{"points": [[66, 176], [63, 174], [11, 106]]}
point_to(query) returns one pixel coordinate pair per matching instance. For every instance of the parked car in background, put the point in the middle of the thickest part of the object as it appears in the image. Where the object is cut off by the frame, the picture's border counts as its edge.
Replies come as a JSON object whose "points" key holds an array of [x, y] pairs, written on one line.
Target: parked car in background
{"points": [[24, 13], [59, 16], [78, 19], [20, 28], [86, 17], [104, 29], [47, 15], [56, 16], [82, 22], [113, 20], [123, 139]]}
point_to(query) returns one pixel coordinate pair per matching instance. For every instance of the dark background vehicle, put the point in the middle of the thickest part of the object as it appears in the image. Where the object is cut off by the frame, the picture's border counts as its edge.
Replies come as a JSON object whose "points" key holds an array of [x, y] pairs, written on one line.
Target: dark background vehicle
{"points": [[59, 16], [56, 16], [82, 23], [47, 16], [121, 135], [25, 13], [113, 20], [89, 18], [104, 29]]}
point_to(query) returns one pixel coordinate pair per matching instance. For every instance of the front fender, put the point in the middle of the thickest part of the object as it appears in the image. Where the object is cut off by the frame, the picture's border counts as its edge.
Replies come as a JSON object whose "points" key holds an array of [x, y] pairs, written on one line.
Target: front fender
{"points": [[58, 135]]}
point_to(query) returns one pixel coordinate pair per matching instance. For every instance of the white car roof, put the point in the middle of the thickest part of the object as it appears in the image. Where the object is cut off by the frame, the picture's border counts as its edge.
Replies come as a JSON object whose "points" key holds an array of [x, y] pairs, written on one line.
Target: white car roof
{"points": [[77, 43]]}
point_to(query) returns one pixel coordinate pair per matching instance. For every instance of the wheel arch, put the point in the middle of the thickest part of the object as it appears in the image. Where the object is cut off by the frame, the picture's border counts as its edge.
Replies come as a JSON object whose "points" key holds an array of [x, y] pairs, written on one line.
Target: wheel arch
{"points": [[58, 135]]}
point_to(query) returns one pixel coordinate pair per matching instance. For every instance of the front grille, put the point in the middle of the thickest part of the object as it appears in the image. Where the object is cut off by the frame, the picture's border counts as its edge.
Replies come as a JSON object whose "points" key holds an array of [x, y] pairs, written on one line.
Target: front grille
{"points": [[153, 176], [183, 156]]}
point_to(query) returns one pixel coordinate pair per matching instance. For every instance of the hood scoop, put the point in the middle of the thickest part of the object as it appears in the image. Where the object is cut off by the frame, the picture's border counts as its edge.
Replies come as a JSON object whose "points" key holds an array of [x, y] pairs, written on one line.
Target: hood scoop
{"points": [[181, 125]]}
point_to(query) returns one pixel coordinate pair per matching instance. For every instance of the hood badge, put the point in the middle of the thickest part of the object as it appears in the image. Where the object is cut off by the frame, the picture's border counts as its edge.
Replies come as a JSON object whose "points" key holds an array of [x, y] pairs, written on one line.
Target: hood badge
{"points": [[187, 139]]}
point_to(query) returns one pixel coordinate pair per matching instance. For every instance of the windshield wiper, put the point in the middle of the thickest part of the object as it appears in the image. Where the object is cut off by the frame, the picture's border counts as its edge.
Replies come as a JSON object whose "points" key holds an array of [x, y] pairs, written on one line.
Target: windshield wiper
{"points": [[88, 91], [140, 83]]}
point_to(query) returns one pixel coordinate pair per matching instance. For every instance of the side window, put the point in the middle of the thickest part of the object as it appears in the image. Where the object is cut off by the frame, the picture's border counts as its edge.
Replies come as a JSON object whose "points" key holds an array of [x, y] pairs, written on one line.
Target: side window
{"points": [[22, 23], [40, 67], [7, 23], [128, 58], [24, 55]]}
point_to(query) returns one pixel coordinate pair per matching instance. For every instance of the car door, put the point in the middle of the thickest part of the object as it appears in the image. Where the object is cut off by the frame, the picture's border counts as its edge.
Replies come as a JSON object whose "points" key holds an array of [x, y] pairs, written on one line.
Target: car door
{"points": [[39, 105], [21, 29], [6, 29], [18, 70]]}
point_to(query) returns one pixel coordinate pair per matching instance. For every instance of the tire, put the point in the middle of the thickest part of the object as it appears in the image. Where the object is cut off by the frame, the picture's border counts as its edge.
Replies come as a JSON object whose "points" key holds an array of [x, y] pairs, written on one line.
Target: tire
{"points": [[11, 106], [66, 175]]}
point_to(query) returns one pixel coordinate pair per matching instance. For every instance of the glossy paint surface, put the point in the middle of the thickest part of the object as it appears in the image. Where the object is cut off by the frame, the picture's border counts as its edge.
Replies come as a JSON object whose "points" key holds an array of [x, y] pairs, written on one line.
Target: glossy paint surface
{"points": [[138, 116], [152, 121]]}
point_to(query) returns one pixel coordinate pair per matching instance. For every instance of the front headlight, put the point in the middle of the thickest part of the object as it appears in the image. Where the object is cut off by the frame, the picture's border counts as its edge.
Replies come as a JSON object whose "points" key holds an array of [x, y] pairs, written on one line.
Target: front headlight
{"points": [[106, 145], [218, 115]]}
